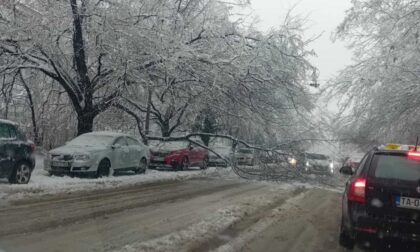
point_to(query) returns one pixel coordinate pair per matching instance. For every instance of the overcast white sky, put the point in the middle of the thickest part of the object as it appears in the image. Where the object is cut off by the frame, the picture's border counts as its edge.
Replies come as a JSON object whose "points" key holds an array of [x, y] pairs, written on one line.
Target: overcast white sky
{"points": [[324, 16]]}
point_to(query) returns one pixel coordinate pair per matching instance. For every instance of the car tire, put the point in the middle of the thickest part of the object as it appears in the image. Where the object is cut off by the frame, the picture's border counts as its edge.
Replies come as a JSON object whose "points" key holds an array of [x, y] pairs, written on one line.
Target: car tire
{"points": [[21, 173], [104, 168], [184, 165], [205, 164], [142, 166], [345, 239]]}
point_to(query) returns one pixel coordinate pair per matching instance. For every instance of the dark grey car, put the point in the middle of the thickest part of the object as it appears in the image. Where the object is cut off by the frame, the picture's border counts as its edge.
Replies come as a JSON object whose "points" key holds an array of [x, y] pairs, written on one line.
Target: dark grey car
{"points": [[16, 154]]}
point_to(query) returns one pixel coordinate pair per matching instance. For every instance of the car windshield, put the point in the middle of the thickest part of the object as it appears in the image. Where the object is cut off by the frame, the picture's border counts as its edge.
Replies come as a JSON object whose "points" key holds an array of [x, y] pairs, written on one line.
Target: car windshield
{"points": [[91, 140], [314, 156], [397, 167]]}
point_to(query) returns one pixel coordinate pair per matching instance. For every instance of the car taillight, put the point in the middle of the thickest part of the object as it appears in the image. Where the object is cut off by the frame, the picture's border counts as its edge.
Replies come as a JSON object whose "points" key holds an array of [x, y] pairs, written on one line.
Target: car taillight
{"points": [[357, 191], [414, 155], [33, 147]]}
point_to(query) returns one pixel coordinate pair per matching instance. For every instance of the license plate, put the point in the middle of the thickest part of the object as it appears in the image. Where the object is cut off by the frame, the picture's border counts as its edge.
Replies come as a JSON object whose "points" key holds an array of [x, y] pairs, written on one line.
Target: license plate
{"points": [[406, 202], [60, 164], [159, 159]]}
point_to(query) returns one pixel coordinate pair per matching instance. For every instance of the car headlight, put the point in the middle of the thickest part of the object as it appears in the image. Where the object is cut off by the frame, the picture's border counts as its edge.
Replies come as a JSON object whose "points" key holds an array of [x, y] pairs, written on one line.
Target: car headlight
{"points": [[292, 161], [82, 157], [331, 165], [307, 164]]}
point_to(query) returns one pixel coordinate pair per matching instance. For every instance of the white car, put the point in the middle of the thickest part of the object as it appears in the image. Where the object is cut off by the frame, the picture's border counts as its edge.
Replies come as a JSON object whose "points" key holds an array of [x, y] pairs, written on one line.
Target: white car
{"points": [[98, 154], [223, 151], [318, 164], [245, 156]]}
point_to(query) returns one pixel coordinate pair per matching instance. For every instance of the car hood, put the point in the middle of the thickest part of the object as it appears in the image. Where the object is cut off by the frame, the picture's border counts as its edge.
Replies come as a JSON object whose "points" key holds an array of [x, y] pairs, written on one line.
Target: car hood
{"points": [[71, 149]]}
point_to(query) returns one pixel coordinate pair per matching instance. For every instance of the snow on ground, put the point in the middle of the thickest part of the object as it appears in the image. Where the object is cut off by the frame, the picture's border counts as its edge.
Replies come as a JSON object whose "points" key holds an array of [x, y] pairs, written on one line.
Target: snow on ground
{"points": [[197, 232], [186, 239], [41, 183]]}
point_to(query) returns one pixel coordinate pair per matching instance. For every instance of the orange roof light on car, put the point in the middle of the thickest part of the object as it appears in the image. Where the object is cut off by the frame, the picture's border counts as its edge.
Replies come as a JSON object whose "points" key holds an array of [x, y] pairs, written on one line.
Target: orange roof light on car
{"points": [[392, 146]]}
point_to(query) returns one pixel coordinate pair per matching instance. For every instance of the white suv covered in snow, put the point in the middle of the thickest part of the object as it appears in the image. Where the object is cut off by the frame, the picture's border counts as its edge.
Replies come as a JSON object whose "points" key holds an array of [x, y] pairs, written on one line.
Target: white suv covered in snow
{"points": [[98, 154]]}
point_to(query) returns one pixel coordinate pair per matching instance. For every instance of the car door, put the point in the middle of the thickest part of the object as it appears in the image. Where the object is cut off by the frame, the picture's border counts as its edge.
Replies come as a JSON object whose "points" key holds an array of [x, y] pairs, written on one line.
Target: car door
{"points": [[7, 134], [202, 153], [193, 153], [121, 154], [135, 151]]}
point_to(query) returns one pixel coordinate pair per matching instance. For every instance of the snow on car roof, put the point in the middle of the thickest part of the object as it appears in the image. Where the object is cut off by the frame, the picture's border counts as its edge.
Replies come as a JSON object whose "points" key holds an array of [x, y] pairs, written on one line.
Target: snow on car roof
{"points": [[8, 122], [106, 133]]}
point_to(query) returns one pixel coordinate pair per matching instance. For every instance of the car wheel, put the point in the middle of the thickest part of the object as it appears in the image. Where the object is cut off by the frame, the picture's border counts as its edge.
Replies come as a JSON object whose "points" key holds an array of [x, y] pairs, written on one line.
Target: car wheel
{"points": [[184, 165], [345, 240], [205, 163], [21, 174], [142, 166], [104, 168]]}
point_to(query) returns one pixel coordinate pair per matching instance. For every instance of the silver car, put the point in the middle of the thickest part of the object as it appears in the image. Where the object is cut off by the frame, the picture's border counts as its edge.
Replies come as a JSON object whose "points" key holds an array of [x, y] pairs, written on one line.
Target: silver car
{"points": [[98, 154], [245, 156], [223, 151]]}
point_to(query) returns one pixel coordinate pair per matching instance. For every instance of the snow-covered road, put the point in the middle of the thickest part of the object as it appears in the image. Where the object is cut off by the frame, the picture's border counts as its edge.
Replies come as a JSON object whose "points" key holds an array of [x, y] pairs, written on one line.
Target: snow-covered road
{"points": [[197, 214], [167, 211]]}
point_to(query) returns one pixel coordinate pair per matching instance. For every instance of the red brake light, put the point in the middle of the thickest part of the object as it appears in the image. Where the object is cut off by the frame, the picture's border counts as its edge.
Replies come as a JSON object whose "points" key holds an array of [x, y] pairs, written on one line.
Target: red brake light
{"points": [[413, 155], [33, 147], [357, 191]]}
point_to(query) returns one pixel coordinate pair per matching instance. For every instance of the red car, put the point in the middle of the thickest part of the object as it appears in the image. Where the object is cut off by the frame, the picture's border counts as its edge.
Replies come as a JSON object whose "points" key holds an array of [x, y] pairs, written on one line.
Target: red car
{"points": [[177, 155]]}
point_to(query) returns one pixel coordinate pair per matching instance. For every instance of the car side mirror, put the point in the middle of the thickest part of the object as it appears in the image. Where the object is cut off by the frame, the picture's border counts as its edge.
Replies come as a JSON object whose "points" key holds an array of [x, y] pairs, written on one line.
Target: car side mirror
{"points": [[346, 170], [116, 146]]}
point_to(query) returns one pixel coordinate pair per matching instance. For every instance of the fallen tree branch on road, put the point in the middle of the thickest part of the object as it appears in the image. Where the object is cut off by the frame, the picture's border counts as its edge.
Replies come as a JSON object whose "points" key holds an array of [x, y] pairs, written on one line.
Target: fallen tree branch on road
{"points": [[274, 171]]}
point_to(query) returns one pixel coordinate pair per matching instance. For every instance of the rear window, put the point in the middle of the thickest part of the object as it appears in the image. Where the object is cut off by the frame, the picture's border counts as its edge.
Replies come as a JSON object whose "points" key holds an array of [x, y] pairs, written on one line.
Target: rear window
{"points": [[396, 167], [7, 131]]}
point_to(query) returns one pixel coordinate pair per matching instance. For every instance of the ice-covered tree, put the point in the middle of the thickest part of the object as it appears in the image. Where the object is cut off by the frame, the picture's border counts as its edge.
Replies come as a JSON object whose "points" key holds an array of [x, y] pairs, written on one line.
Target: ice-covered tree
{"points": [[380, 90]]}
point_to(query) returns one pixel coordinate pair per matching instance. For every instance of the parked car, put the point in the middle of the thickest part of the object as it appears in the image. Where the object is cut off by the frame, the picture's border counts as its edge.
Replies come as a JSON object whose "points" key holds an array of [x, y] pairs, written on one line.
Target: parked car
{"points": [[381, 201], [277, 157], [316, 163], [178, 155], [98, 154], [224, 151], [245, 156], [16, 154]]}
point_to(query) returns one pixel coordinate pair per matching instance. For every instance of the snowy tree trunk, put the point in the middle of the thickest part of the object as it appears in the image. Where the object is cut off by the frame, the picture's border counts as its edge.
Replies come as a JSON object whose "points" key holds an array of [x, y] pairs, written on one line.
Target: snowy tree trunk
{"points": [[32, 107], [164, 128], [85, 122]]}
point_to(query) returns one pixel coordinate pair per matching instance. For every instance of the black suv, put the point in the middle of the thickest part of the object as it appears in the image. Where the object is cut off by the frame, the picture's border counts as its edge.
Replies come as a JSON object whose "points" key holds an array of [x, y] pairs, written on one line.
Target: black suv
{"points": [[381, 201], [16, 154]]}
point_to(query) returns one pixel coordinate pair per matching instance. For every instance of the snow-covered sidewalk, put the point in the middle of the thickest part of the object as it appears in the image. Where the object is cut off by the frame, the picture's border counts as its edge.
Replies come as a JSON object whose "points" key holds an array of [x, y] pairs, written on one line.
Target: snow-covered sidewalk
{"points": [[42, 184]]}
